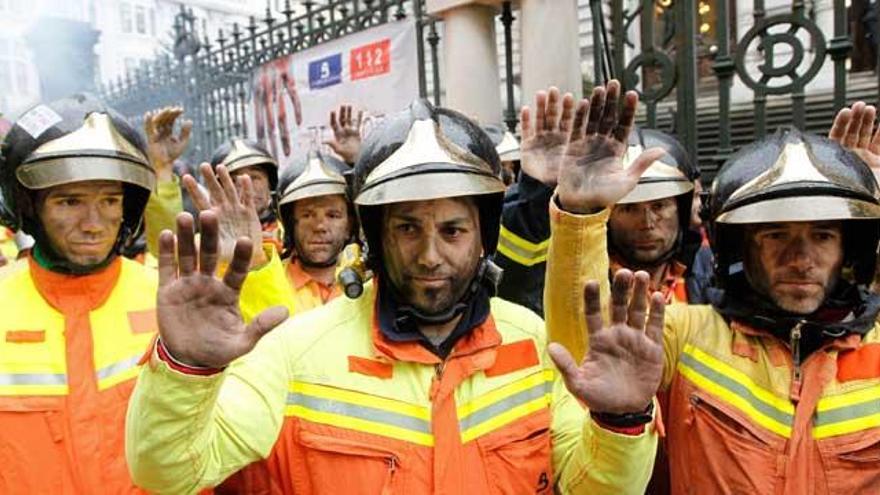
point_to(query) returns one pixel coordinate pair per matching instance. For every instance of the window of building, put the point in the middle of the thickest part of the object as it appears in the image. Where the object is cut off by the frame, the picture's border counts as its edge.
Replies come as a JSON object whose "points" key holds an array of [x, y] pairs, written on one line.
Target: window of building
{"points": [[152, 21], [125, 17], [140, 17]]}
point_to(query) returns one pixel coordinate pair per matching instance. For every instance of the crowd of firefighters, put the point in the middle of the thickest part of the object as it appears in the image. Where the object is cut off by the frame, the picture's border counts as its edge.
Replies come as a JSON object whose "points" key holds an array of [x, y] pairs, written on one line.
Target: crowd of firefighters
{"points": [[437, 307]]}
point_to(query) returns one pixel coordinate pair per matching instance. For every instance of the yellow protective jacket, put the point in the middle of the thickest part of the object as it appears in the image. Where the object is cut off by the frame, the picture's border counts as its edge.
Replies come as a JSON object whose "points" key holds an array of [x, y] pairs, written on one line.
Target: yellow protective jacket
{"points": [[344, 411], [69, 352], [738, 419]]}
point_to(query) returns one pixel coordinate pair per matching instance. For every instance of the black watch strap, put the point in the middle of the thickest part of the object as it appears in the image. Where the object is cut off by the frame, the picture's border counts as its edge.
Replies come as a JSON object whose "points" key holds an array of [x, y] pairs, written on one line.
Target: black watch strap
{"points": [[627, 420]]}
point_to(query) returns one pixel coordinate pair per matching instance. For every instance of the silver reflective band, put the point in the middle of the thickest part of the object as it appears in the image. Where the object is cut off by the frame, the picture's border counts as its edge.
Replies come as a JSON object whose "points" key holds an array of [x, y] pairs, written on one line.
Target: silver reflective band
{"points": [[360, 412], [118, 367], [33, 379], [505, 405]]}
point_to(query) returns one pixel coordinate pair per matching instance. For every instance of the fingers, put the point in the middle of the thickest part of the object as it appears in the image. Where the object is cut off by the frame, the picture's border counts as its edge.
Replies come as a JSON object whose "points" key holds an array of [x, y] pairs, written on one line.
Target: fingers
{"points": [[565, 122], [540, 111], [186, 131], [333, 123], [229, 190], [638, 306], [525, 118], [186, 244], [167, 261], [149, 125], [208, 243], [654, 328], [852, 132], [627, 116], [874, 146], [867, 127], [597, 106], [609, 114], [643, 161], [200, 200], [360, 120], [620, 291], [841, 123], [593, 306], [264, 322], [246, 185], [215, 190], [551, 119], [580, 119], [563, 360], [238, 267]]}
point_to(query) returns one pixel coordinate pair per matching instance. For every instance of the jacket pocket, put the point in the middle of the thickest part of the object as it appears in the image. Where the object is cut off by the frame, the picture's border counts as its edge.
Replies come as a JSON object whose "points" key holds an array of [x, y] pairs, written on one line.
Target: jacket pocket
{"points": [[518, 458], [32, 450], [338, 465], [851, 461], [724, 450]]}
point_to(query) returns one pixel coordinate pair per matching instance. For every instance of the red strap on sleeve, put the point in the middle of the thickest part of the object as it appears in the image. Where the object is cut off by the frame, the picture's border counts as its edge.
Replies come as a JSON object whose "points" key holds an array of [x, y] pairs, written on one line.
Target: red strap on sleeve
{"points": [[176, 365]]}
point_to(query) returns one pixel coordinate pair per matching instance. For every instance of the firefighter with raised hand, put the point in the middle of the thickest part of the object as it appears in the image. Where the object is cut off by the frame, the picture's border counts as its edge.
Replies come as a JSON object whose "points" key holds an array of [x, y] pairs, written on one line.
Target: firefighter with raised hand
{"points": [[246, 157], [773, 387], [78, 317], [426, 383]]}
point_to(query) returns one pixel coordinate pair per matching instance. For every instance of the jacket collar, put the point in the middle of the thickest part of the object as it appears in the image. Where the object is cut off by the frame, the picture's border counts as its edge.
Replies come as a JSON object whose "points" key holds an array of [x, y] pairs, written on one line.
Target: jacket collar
{"points": [[70, 293]]}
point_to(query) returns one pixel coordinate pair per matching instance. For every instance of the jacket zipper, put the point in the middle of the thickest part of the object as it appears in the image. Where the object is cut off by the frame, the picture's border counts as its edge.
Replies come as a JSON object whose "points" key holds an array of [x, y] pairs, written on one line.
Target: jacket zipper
{"points": [[795, 342], [392, 468]]}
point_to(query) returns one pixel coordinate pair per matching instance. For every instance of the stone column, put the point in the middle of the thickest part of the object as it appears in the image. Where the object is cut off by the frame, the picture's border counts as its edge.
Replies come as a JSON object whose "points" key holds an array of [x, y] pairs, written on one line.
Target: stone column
{"points": [[470, 72], [550, 47]]}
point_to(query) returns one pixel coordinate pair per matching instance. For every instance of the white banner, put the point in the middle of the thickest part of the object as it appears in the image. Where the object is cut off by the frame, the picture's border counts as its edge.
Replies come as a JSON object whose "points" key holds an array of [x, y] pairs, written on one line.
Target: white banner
{"points": [[375, 70]]}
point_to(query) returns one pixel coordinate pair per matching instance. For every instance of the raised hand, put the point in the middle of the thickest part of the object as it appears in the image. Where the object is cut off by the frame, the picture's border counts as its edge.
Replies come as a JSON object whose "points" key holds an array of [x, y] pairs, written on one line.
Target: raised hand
{"points": [[199, 319], [346, 140], [163, 147], [854, 128], [592, 174], [237, 216], [624, 364], [544, 140]]}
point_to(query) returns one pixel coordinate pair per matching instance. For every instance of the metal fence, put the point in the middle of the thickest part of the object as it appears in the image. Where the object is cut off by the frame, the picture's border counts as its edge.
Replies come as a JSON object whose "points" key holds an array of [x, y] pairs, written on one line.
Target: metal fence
{"points": [[210, 78], [777, 57]]}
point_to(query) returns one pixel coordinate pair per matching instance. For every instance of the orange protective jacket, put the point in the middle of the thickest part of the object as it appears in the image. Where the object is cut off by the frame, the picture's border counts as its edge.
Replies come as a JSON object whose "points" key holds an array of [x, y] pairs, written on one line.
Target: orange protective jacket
{"points": [[68, 358], [69, 352], [338, 409], [740, 419]]}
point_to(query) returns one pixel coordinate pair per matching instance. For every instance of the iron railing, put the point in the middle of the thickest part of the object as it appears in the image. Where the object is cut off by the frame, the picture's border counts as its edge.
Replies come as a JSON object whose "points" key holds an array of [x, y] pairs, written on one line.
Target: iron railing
{"points": [[669, 64], [211, 78]]}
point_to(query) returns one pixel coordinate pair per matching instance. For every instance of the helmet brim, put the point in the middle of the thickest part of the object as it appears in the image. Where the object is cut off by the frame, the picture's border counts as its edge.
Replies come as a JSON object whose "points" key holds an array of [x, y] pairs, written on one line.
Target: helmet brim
{"points": [[313, 190], [428, 185], [801, 209], [651, 191], [67, 170]]}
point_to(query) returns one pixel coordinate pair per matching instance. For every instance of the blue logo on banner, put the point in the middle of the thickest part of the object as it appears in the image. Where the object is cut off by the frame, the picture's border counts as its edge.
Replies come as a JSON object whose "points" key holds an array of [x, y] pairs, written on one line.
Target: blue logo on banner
{"points": [[325, 72]]}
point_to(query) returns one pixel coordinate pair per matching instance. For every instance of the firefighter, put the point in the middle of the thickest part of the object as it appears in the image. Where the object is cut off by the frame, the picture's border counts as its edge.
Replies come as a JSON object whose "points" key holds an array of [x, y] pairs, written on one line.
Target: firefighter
{"points": [[246, 157], [424, 384], [773, 387], [77, 317], [650, 229], [319, 221]]}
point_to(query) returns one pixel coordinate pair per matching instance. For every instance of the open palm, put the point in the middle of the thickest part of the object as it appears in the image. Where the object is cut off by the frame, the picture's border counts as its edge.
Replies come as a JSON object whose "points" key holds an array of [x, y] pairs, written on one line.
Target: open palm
{"points": [[592, 174], [623, 367], [199, 319], [236, 213]]}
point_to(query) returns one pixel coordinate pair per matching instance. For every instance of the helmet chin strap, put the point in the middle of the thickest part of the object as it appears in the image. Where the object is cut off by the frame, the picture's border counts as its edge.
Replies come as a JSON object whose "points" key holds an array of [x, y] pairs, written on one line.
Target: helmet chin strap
{"points": [[488, 275]]}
